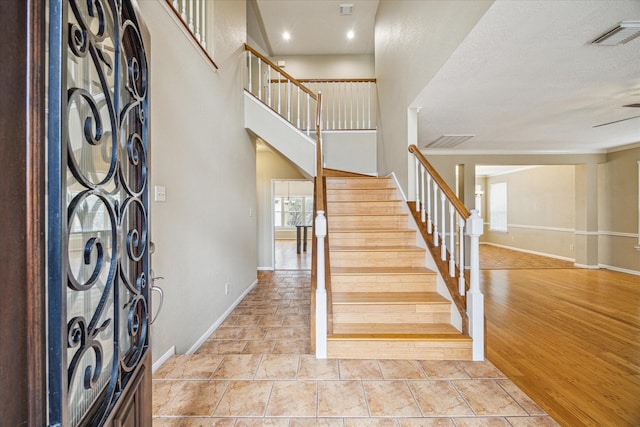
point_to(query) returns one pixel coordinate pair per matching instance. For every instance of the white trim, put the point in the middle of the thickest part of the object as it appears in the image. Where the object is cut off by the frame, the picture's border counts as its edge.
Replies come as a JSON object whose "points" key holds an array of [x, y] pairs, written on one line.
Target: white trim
{"points": [[221, 319], [349, 131], [163, 359], [529, 252], [459, 152], [265, 269], [587, 266], [618, 234], [399, 187], [623, 147], [587, 233], [638, 203], [542, 227], [620, 270], [514, 170]]}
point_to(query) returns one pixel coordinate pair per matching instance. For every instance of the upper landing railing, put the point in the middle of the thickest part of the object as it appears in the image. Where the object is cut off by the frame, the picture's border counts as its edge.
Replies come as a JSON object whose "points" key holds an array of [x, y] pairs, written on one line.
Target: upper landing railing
{"points": [[289, 98], [447, 221], [196, 18]]}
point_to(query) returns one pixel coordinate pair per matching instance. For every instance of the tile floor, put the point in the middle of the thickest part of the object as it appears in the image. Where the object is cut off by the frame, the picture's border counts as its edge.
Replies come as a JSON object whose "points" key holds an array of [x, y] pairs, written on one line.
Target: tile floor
{"points": [[255, 370]]}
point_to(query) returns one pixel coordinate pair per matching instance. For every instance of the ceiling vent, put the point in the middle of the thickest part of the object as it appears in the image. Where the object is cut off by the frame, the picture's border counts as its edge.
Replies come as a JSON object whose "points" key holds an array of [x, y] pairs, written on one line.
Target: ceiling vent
{"points": [[346, 9], [622, 33], [448, 141]]}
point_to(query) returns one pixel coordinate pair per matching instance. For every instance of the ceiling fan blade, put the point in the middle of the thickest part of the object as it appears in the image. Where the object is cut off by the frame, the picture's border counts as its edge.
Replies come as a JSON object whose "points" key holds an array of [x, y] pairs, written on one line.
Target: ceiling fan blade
{"points": [[617, 121]]}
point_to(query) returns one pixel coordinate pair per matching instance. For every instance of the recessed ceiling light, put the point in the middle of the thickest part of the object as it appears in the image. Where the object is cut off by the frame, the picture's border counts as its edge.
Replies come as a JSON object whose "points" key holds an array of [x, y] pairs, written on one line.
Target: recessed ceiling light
{"points": [[351, 35], [286, 35]]}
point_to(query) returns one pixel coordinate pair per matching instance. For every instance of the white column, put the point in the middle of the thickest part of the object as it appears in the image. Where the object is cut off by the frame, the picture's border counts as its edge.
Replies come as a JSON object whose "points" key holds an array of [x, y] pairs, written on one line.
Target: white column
{"points": [[475, 298], [461, 282], [423, 212], [435, 214], [321, 291], [417, 185], [429, 216]]}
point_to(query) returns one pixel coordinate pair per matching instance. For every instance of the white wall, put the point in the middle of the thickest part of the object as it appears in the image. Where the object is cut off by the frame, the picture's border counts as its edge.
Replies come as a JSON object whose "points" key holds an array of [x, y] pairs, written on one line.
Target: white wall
{"points": [[204, 234], [351, 151], [407, 56], [328, 66]]}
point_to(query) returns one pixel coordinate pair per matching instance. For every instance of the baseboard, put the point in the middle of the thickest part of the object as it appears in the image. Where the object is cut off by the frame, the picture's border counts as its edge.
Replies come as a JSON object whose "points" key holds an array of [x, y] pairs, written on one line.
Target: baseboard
{"points": [[620, 270], [531, 252], [222, 318], [265, 268], [163, 358], [587, 266], [395, 178]]}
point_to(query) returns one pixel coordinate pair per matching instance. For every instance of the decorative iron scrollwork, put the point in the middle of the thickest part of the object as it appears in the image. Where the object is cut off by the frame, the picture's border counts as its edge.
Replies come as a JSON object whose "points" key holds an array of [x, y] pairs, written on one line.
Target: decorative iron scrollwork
{"points": [[103, 171]]}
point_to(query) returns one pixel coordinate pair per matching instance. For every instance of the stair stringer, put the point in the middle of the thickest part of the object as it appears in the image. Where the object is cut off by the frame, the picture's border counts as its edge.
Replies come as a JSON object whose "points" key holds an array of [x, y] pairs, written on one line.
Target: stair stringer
{"points": [[285, 138], [442, 289]]}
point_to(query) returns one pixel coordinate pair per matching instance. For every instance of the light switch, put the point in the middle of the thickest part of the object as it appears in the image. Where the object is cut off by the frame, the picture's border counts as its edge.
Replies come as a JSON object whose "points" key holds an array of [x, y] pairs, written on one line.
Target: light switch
{"points": [[161, 193]]}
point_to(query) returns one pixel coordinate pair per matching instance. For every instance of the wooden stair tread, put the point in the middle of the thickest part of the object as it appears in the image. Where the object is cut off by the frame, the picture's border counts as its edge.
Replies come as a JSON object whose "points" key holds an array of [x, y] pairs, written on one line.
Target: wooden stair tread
{"points": [[367, 214], [367, 201], [388, 298], [374, 230], [376, 248], [400, 337], [395, 329], [379, 271]]}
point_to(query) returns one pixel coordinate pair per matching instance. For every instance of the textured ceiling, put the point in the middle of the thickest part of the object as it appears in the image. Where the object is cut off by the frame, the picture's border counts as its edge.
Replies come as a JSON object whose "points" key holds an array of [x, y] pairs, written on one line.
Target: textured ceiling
{"points": [[525, 79], [316, 27]]}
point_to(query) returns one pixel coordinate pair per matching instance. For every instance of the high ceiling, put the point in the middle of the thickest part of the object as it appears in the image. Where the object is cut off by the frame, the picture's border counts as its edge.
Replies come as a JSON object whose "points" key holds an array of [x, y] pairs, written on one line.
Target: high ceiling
{"points": [[525, 79], [316, 27]]}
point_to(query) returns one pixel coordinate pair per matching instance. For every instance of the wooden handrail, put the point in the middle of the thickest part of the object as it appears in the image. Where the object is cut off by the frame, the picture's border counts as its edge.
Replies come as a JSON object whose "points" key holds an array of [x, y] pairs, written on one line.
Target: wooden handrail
{"points": [[455, 201], [364, 80], [281, 71], [193, 36]]}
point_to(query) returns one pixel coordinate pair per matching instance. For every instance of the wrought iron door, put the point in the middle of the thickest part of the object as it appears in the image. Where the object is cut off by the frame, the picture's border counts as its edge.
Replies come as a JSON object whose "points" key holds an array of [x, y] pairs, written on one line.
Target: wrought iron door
{"points": [[98, 227]]}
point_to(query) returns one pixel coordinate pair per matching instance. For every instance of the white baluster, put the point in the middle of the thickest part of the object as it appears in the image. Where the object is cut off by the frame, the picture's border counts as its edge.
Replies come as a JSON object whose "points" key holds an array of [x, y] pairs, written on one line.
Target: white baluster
{"points": [[250, 79], [184, 10], [333, 104], [203, 24], [298, 109], [369, 108], [435, 214], [350, 105], [452, 243], [429, 225], [443, 232], [461, 281], [289, 100], [423, 212], [261, 79], [308, 114], [197, 25], [269, 84], [321, 292], [191, 15], [175, 4], [279, 87], [417, 185], [475, 299]]}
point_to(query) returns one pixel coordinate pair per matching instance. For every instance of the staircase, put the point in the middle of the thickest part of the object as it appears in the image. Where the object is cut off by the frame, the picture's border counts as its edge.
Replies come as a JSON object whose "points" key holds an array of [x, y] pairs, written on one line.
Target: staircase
{"points": [[385, 302]]}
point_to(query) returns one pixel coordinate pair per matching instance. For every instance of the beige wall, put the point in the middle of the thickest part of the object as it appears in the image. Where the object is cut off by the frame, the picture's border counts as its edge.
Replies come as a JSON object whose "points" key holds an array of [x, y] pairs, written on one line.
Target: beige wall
{"points": [[204, 234], [328, 66], [618, 218], [406, 60], [540, 212], [270, 165]]}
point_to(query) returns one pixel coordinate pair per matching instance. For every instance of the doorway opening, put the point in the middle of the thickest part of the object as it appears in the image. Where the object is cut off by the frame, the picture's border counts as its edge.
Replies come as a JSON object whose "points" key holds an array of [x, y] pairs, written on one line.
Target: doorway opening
{"points": [[292, 203]]}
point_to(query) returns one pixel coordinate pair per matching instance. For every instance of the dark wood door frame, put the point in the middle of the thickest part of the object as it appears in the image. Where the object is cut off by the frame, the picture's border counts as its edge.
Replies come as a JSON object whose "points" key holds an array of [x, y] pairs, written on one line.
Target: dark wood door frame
{"points": [[22, 130]]}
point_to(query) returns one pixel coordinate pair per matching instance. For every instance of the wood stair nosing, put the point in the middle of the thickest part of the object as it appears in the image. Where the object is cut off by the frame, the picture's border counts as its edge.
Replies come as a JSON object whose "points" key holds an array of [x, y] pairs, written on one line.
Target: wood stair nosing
{"points": [[388, 298]]}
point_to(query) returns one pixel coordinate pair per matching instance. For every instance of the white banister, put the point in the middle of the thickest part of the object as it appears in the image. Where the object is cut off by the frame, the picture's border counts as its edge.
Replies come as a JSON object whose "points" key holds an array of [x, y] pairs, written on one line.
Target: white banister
{"points": [[417, 185], [435, 215], [475, 299], [461, 281], [461, 224], [452, 242], [443, 230], [423, 212], [321, 291]]}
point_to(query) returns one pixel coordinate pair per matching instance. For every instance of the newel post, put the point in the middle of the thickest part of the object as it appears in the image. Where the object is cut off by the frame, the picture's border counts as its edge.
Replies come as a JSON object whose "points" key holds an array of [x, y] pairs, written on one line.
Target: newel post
{"points": [[475, 298], [321, 291]]}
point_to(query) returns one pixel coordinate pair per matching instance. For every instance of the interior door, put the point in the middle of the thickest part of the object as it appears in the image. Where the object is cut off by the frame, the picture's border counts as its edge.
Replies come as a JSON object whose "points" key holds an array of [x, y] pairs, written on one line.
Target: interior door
{"points": [[98, 281]]}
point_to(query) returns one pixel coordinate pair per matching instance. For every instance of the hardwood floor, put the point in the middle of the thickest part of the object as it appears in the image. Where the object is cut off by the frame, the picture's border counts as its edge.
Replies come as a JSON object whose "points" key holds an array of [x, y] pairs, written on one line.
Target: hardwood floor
{"points": [[570, 339], [288, 259]]}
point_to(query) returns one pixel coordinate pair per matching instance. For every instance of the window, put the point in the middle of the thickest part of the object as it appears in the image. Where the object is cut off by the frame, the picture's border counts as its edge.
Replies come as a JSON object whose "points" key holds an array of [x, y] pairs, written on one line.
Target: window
{"points": [[498, 206], [291, 211]]}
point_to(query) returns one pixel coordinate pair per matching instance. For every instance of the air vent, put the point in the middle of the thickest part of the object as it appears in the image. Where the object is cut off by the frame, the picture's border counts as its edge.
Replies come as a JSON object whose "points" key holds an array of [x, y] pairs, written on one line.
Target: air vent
{"points": [[346, 9], [622, 33], [632, 105], [448, 141]]}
